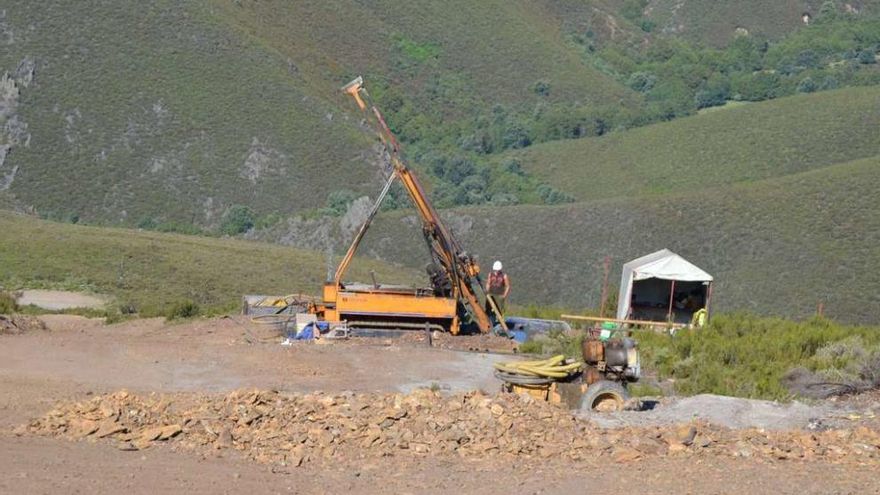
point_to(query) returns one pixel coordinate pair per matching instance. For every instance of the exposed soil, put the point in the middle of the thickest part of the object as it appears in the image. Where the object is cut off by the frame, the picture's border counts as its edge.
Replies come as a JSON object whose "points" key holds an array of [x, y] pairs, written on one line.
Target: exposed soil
{"points": [[17, 324], [57, 300], [729, 412], [65, 381]]}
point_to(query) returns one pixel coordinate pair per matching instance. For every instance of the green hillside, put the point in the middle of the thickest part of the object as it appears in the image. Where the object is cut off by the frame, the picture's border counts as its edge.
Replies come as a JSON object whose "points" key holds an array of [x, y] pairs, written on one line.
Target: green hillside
{"points": [[740, 144], [777, 246], [152, 271], [131, 107], [716, 21], [120, 109], [473, 52]]}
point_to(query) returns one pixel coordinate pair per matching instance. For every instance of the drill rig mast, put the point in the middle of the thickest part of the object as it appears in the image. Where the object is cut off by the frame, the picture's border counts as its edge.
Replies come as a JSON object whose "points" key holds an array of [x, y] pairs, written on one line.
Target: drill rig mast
{"points": [[456, 288]]}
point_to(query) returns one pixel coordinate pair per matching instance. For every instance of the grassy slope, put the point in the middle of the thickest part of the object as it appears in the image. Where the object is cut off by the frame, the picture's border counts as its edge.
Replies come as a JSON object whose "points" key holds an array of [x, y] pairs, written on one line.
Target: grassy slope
{"points": [[727, 146], [138, 105], [496, 49], [776, 246], [152, 270], [715, 21]]}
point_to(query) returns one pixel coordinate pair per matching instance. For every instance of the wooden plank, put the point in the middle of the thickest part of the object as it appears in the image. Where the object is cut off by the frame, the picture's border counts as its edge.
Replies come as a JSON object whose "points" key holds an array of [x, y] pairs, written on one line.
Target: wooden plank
{"points": [[644, 323]]}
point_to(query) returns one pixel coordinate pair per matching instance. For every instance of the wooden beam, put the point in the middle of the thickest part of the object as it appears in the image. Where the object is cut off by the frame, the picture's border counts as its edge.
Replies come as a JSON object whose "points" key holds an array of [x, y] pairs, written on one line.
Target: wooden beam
{"points": [[644, 323]]}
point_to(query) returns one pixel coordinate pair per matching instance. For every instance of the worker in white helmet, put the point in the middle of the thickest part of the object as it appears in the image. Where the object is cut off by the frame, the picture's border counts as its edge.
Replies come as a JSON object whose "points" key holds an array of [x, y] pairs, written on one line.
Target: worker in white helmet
{"points": [[497, 288]]}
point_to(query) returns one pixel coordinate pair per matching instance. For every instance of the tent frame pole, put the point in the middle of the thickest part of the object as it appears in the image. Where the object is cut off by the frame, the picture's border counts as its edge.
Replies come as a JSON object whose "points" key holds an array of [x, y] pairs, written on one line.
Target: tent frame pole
{"points": [[671, 295], [709, 301]]}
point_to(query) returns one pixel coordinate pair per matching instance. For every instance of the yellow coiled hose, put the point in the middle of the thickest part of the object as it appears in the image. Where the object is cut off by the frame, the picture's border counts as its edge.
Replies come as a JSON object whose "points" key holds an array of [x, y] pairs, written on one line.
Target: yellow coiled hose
{"points": [[545, 370]]}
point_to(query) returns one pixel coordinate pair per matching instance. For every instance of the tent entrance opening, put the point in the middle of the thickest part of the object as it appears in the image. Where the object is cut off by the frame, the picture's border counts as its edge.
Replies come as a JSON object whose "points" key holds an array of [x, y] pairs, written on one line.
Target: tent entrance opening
{"points": [[657, 299]]}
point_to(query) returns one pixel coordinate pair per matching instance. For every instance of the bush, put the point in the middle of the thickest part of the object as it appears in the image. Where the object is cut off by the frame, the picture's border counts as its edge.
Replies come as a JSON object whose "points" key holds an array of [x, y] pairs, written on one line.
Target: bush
{"points": [[148, 223], [748, 356], [641, 81], [633, 9], [513, 166], [552, 196], [504, 199], [867, 57], [542, 88], [237, 220], [840, 361], [183, 309], [806, 85], [710, 98], [8, 304]]}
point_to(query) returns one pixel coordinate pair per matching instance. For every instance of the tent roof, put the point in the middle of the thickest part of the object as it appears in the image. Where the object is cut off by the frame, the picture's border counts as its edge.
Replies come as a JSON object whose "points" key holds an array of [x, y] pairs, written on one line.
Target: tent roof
{"points": [[666, 265]]}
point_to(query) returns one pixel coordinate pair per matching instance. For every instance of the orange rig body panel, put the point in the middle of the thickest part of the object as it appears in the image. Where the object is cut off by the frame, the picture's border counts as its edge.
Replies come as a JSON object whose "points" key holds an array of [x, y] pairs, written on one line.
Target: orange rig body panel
{"points": [[365, 304]]}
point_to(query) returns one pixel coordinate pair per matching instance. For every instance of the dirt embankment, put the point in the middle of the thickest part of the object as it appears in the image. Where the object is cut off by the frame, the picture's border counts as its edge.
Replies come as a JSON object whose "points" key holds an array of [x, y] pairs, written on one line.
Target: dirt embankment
{"points": [[19, 324]]}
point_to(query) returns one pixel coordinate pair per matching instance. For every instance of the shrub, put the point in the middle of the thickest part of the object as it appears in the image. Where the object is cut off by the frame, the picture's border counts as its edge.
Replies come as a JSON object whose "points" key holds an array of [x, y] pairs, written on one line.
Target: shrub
{"points": [[542, 88], [641, 81], [183, 309], [147, 223], [710, 98], [512, 166], [633, 9], [867, 57], [516, 136], [238, 219], [8, 304], [870, 371], [504, 199], [806, 85], [748, 356], [552, 196]]}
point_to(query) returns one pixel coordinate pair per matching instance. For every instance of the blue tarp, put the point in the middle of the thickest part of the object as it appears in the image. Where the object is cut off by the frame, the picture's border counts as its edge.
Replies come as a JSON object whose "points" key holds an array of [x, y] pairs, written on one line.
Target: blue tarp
{"points": [[308, 332]]}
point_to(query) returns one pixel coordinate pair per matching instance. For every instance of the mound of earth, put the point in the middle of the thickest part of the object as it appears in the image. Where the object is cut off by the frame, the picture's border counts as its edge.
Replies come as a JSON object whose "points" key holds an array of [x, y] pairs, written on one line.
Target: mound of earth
{"points": [[18, 324], [318, 428]]}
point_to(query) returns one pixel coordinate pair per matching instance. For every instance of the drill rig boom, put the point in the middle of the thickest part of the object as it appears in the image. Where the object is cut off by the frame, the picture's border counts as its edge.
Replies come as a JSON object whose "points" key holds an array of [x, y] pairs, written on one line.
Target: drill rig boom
{"points": [[455, 275]]}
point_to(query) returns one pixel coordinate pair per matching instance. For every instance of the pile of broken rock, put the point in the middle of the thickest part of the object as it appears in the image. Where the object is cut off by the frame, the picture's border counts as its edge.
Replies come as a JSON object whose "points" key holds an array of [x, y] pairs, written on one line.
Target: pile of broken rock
{"points": [[293, 430], [18, 324]]}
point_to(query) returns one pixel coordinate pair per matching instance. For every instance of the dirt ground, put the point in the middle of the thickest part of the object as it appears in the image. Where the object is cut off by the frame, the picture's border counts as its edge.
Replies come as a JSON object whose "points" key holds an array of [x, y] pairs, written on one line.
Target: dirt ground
{"points": [[57, 300], [76, 358]]}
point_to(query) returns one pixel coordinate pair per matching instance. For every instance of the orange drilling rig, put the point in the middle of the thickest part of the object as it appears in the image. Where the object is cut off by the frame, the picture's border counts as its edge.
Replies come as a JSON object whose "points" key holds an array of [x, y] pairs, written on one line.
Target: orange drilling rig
{"points": [[455, 298]]}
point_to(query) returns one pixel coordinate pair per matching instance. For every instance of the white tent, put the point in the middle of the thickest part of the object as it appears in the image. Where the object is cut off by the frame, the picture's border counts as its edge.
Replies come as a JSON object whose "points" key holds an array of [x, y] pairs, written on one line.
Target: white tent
{"points": [[662, 265]]}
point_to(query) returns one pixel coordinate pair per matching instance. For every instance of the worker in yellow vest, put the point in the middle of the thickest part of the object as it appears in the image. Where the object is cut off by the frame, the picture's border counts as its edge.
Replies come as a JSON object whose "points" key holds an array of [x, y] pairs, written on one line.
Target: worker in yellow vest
{"points": [[699, 319]]}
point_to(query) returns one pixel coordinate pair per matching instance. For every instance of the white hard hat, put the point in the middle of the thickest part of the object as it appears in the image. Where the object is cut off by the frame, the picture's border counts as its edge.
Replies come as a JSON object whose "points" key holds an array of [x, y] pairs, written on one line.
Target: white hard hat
{"points": [[496, 266]]}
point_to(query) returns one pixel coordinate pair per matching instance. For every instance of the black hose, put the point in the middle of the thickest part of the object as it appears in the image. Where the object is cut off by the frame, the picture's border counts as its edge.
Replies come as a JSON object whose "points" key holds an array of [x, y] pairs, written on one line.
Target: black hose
{"points": [[517, 379]]}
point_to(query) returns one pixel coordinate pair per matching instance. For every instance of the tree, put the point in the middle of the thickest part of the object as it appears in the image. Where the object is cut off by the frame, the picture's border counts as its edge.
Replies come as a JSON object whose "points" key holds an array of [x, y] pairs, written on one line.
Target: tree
{"points": [[633, 9], [807, 85], [828, 10], [867, 57], [338, 201], [516, 136], [641, 81], [236, 220], [712, 97], [808, 59], [541, 88]]}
